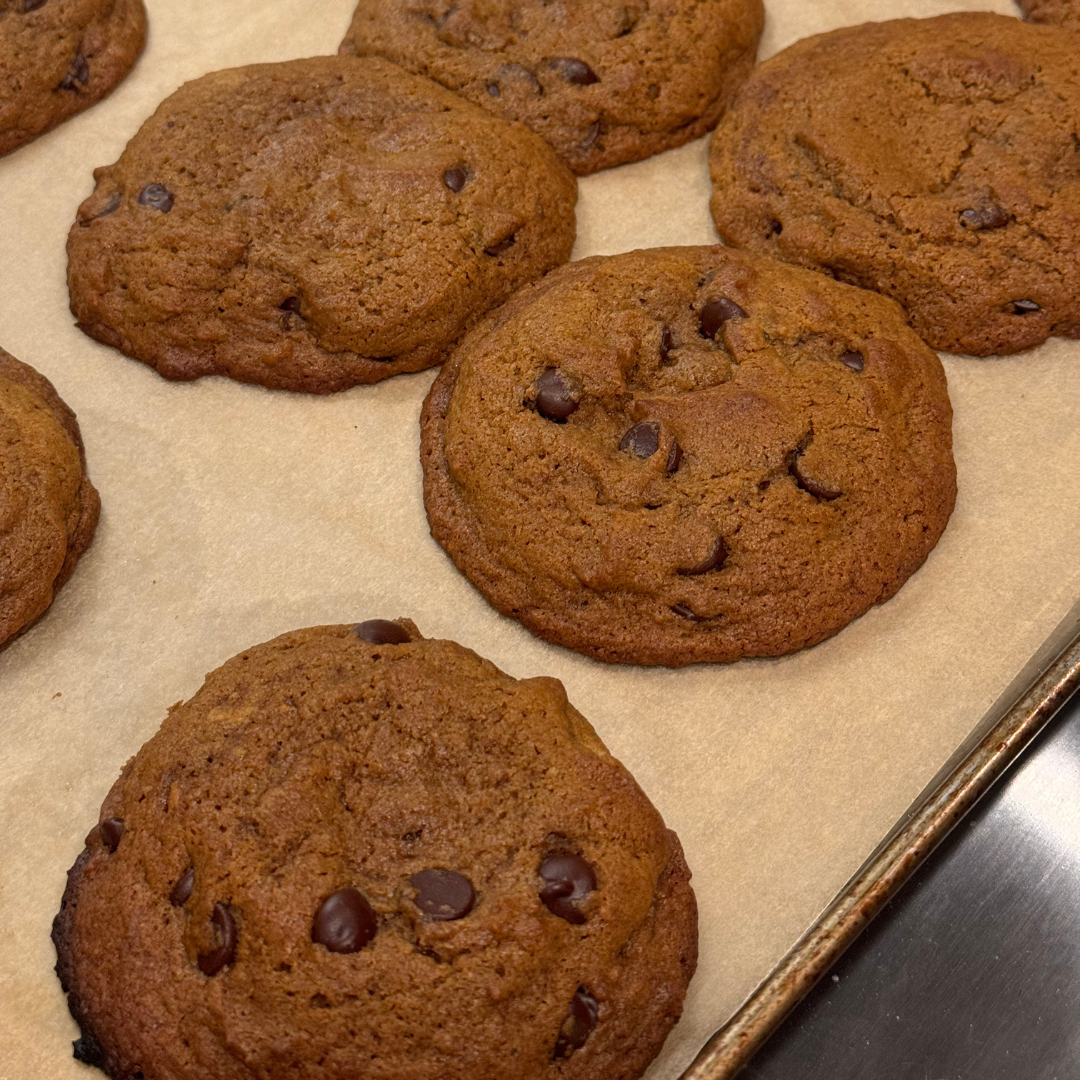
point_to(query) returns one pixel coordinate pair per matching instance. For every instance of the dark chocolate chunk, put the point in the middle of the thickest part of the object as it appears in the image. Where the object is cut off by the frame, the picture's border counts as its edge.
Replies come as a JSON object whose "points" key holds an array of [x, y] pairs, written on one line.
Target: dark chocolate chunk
{"points": [[345, 922], [224, 953], [157, 196], [181, 891], [717, 312], [578, 1025], [77, 74], [810, 485], [111, 831], [567, 878], [987, 216], [33, 5], [675, 456], [573, 70], [382, 632], [443, 894], [713, 562], [667, 343], [455, 178], [501, 245], [290, 303], [853, 360], [1024, 307], [554, 397], [642, 440]]}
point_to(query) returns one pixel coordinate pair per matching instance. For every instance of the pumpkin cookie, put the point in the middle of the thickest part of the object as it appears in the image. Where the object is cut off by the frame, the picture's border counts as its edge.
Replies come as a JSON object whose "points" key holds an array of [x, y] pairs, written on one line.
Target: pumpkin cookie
{"points": [[688, 454], [312, 225], [359, 853]]}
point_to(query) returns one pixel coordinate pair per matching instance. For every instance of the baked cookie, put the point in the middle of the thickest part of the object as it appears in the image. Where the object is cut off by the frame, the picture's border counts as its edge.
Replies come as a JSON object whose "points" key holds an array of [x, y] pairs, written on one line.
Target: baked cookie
{"points": [[359, 853], [1061, 12], [312, 225], [48, 507], [688, 454], [58, 57], [604, 81], [934, 160]]}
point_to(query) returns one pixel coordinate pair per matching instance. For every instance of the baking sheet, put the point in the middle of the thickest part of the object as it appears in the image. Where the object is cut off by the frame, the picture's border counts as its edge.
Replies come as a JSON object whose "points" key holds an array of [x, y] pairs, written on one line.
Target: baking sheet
{"points": [[232, 514]]}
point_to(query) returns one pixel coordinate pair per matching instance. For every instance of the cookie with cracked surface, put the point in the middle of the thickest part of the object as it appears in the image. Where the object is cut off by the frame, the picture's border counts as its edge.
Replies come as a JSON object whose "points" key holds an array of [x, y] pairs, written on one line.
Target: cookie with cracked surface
{"points": [[604, 81], [58, 57], [358, 852], [313, 224], [48, 507], [1059, 12], [936, 161], [688, 454]]}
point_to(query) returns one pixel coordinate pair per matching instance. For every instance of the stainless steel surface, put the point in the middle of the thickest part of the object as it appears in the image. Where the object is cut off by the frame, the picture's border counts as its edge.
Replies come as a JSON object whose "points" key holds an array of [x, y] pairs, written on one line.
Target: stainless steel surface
{"points": [[1021, 712], [973, 971]]}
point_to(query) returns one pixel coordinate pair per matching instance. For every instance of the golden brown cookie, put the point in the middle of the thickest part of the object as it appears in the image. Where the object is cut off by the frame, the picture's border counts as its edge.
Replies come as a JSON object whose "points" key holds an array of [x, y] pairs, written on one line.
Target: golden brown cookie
{"points": [[357, 853], [48, 507], [312, 225], [934, 160], [58, 57], [1060, 12], [604, 81], [688, 454]]}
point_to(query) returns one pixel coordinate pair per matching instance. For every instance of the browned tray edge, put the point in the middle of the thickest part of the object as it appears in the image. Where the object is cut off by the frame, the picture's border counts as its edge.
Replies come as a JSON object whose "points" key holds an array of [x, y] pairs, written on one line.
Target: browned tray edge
{"points": [[1018, 715]]}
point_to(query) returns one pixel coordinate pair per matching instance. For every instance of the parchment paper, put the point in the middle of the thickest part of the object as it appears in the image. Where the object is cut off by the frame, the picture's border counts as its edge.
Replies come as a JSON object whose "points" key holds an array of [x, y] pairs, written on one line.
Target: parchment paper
{"points": [[232, 514]]}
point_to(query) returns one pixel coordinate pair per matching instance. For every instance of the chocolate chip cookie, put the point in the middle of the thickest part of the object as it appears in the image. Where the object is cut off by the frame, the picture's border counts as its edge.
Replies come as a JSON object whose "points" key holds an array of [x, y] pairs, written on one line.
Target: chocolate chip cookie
{"points": [[359, 853], [312, 225], [1061, 12], [48, 507], [604, 81], [58, 57], [688, 454], [934, 160]]}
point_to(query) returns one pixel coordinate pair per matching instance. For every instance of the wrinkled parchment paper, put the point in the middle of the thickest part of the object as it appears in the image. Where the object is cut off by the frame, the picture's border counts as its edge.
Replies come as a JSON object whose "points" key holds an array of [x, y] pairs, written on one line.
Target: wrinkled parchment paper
{"points": [[232, 514]]}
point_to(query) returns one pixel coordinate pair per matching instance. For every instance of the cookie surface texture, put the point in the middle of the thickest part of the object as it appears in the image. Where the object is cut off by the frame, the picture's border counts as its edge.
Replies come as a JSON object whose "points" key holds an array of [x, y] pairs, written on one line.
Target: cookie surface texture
{"points": [[1059, 12], [688, 454], [604, 81], [58, 57], [934, 160], [312, 225], [367, 854]]}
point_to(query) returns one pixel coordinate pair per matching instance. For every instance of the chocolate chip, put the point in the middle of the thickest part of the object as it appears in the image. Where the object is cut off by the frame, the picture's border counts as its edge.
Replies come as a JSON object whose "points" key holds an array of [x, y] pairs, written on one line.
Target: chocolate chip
{"points": [[501, 245], [554, 397], [1024, 307], [674, 458], [575, 71], [592, 134], [290, 303], [345, 922], [157, 196], [988, 216], [77, 74], [717, 312], [455, 178], [33, 5], [810, 485], [443, 894], [774, 228], [667, 343], [181, 891], [493, 89], [578, 1025], [713, 562], [115, 199], [567, 878], [520, 74], [382, 632], [642, 440], [111, 831], [684, 611], [224, 953], [853, 360]]}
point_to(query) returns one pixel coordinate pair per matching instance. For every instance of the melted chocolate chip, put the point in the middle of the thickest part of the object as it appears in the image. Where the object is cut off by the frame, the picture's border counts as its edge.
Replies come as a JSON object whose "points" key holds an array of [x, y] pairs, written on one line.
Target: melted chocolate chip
{"points": [[111, 831], [290, 303], [455, 178], [713, 562], [382, 632], [33, 5], [157, 196], [578, 1025], [853, 360], [574, 71], [181, 891], [674, 458], [1024, 307], [554, 397], [642, 440], [345, 922], [988, 216], [567, 878], [667, 343], [717, 312], [810, 485], [77, 74], [224, 953], [443, 894]]}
